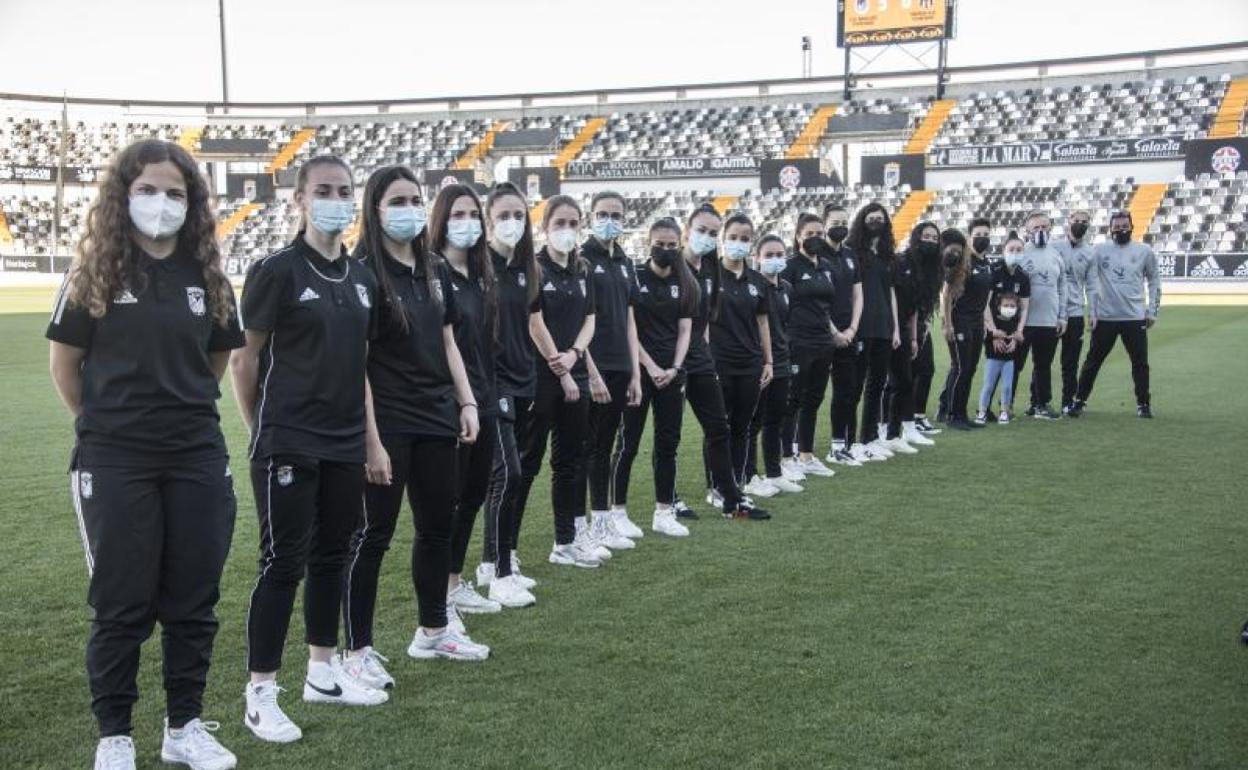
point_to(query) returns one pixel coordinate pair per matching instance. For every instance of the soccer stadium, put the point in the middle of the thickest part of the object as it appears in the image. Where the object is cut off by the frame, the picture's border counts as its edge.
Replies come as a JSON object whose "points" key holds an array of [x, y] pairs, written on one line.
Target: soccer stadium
{"points": [[878, 518]]}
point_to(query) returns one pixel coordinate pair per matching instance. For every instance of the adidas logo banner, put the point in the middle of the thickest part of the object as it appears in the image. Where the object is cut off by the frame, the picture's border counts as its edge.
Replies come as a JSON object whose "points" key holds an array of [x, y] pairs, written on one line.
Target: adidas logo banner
{"points": [[1209, 268]]}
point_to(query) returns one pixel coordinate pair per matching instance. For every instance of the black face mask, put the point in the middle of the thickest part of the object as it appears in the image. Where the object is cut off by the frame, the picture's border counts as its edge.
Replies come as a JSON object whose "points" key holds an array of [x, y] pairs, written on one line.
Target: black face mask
{"points": [[838, 234], [874, 228], [664, 258], [981, 244], [928, 249], [952, 258], [1079, 229], [1122, 237], [815, 247]]}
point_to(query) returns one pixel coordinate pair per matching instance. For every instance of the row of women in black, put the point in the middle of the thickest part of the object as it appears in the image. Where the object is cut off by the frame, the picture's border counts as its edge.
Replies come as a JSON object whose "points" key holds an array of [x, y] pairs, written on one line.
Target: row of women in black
{"points": [[363, 379]]}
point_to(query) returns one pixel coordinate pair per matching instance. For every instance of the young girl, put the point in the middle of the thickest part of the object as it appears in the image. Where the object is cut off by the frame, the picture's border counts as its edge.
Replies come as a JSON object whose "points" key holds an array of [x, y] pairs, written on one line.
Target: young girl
{"points": [[999, 353], [457, 236], [701, 384], [811, 342], [561, 331], [614, 377], [140, 336], [773, 401], [666, 301], [420, 404], [309, 311], [741, 342], [518, 279]]}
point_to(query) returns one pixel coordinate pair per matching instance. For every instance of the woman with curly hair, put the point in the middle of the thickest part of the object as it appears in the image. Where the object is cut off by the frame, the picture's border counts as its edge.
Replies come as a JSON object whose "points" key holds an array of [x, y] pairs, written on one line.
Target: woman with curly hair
{"points": [[140, 337]]}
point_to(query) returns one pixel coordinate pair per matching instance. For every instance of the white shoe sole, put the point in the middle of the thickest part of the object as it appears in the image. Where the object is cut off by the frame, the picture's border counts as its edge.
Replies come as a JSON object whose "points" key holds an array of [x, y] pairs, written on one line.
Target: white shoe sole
{"points": [[268, 737], [480, 609], [515, 604], [169, 759], [422, 653], [312, 696], [563, 561], [669, 534]]}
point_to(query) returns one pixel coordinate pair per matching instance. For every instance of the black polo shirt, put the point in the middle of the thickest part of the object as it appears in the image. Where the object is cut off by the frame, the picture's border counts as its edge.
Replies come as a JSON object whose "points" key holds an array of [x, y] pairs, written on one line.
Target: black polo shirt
{"points": [[968, 309], [614, 281], [814, 291], [877, 304], [320, 316], [699, 360], [906, 286], [779, 300], [1017, 283], [658, 311], [413, 393], [566, 298], [735, 342], [474, 334], [514, 356], [148, 389], [846, 273]]}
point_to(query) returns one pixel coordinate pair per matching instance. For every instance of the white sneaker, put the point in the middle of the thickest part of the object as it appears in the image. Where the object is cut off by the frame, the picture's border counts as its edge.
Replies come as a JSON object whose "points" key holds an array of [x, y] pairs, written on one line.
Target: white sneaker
{"points": [[813, 467], [878, 449], [367, 669], [195, 747], [912, 435], [573, 555], [469, 602], [784, 485], [264, 717], [603, 528], [115, 752], [665, 523], [899, 446], [454, 620], [714, 499], [524, 580], [791, 469], [844, 457], [485, 573], [864, 454], [508, 592], [589, 542], [329, 683], [447, 643], [625, 526], [761, 487]]}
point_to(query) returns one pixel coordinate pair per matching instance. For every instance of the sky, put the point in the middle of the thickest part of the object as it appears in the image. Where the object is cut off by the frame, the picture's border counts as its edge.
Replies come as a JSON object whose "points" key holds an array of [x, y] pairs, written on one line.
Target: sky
{"points": [[376, 49]]}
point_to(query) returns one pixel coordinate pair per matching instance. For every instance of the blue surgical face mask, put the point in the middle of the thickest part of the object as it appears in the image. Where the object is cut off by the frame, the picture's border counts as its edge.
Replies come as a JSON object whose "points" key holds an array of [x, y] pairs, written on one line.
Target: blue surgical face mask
{"points": [[403, 223], [701, 243], [736, 250], [772, 265], [607, 229], [463, 233], [332, 216]]}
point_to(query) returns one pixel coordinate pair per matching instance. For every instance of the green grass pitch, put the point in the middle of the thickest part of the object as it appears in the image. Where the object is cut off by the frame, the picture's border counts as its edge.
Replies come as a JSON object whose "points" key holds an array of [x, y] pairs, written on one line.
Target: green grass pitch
{"points": [[1038, 595]]}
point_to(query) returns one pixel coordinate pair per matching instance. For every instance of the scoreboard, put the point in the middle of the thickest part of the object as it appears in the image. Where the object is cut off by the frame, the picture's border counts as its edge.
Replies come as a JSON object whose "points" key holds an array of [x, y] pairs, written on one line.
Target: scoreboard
{"points": [[889, 22]]}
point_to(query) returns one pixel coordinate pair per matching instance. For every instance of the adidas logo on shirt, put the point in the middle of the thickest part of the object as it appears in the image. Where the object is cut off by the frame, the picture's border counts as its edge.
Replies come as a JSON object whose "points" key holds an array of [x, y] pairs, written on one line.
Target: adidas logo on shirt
{"points": [[1208, 269], [644, 290], [548, 287], [308, 295], [125, 298], [598, 269]]}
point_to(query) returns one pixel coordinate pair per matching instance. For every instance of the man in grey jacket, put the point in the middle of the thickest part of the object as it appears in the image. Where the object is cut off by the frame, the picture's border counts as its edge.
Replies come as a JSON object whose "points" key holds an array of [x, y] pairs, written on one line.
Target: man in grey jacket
{"points": [[1120, 272], [1046, 314], [1076, 251]]}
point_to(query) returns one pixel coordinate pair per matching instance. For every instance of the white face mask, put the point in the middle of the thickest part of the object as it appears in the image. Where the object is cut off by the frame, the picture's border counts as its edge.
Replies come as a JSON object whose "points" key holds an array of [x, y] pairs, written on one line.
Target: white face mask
{"points": [[562, 240], [1008, 311], [157, 216], [509, 231]]}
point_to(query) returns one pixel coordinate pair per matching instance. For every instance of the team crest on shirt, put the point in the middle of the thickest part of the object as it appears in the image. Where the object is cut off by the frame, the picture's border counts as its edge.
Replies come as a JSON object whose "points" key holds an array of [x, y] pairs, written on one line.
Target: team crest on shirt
{"points": [[709, 285], [504, 405], [521, 280], [675, 291], [753, 290], [584, 292], [849, 262], [285, 475], [362, 290], [195, 299], [126, 297], [827, 274], [623, 271], [86, 485], [437, 289]]}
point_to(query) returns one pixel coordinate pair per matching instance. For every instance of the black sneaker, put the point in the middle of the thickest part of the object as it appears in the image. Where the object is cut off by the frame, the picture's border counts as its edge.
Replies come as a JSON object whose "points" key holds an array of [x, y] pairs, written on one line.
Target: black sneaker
{"points": [[1031, 411], [989, 416], [961, 423], [1144, 411], [923, 426], [683, 511], [1076, 409], [1243, 634], [942, 416], [1043, 412], [746, 510]]}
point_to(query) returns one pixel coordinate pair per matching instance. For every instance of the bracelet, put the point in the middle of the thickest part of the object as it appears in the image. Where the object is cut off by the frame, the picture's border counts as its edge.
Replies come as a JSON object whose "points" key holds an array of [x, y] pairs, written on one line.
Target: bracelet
{"points": [[462, 407], [767, 363]]}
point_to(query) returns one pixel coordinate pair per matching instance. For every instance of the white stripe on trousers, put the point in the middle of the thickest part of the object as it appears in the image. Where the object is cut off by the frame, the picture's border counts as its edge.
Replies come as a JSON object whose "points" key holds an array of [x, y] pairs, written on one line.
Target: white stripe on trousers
{"points": [[268, 558], [355, 558], [75, 481]]}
